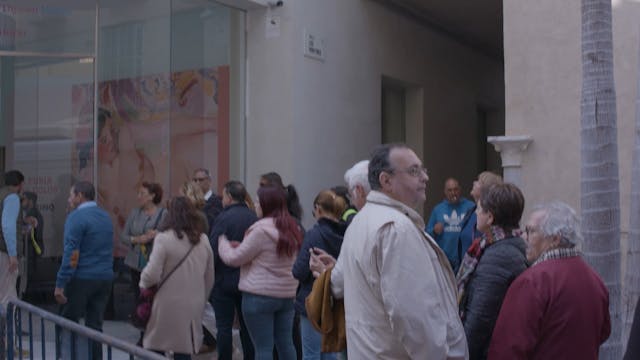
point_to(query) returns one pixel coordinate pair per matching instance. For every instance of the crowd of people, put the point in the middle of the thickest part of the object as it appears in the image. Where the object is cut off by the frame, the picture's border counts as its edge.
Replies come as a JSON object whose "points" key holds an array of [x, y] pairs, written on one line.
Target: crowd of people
{"points": [[368, 280]]}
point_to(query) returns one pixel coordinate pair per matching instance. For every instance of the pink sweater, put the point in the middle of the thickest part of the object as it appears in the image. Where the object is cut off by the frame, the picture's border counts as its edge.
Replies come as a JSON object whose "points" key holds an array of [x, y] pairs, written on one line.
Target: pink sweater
{"points": [[262, 271]]}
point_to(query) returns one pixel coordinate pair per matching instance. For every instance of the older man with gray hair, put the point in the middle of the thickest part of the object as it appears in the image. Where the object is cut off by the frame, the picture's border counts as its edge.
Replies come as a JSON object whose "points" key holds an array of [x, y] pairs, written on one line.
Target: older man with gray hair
{"points": [[559, 307], [358, 188]]}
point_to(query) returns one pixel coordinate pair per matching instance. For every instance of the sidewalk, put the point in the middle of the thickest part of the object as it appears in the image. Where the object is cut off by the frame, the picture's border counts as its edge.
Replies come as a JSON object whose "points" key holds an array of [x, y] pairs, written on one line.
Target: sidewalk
{"points": [[119, 329]]}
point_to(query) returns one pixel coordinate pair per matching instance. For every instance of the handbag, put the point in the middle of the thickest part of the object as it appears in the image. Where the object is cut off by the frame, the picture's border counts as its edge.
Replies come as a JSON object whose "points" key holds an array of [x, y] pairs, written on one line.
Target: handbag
{"points": [[144, 303]]}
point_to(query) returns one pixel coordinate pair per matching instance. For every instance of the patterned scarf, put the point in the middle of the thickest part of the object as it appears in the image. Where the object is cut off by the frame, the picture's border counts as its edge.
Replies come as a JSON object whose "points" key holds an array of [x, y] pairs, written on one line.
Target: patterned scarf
{"points": [[472, 257], [557, 253]]}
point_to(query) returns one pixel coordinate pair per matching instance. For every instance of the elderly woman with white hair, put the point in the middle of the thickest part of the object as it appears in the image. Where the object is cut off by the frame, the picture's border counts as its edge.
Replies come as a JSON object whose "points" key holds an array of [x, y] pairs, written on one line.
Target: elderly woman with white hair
{"points": [[559, 307]]}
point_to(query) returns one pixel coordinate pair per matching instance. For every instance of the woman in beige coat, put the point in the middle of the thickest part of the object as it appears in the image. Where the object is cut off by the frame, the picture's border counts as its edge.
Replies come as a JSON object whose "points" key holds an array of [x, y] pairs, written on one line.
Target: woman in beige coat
{"points": [[176, 317]]}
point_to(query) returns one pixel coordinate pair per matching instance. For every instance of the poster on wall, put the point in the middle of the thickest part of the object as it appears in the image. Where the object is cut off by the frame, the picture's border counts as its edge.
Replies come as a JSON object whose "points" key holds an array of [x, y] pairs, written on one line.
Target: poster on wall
{"points": [[155, 128]]}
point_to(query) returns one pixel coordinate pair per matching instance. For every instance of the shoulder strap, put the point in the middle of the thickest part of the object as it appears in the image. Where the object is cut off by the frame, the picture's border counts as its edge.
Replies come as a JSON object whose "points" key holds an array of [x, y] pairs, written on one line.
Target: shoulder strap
{"points": [[177, 266], [155, 225], [464, 223]]}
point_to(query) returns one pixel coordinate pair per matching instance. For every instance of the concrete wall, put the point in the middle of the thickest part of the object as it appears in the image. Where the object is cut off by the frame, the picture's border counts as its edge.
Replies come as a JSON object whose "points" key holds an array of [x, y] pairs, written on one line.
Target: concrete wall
{"points": [[311, 120], [543, 79]]}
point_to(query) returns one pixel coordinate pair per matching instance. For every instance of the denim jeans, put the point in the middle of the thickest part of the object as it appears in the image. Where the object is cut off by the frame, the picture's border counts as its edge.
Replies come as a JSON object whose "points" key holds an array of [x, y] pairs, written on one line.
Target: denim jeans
{"points": [[269, 321], [225, 304], [312, 342]]}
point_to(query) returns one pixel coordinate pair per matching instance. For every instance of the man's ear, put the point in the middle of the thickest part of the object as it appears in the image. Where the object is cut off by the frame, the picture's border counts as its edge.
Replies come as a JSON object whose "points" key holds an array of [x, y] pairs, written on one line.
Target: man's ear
{"points": [[555, 240], [384, 178]]}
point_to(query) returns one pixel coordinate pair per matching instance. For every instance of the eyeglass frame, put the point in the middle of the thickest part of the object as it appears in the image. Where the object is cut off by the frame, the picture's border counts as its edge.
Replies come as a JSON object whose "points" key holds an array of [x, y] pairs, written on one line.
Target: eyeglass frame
{"points": [[414, 171], [198, 180]]}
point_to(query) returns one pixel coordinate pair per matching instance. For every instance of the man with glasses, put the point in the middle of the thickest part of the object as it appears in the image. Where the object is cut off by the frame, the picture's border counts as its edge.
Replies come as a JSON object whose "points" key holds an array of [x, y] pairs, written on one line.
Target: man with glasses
{"points": [[213, 204], [398, 288], [559, 307]]}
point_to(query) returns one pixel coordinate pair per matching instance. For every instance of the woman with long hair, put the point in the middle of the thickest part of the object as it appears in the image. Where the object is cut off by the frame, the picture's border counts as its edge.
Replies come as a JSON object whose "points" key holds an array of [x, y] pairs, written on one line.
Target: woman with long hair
{"points": [[293, 201], [265, 257], [182, 261], [192, 191], [491, 264], [326, 235]]}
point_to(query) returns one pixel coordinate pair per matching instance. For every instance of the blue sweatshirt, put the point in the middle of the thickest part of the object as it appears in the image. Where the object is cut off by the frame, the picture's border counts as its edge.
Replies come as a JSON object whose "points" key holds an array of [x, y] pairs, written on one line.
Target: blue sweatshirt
{"points": [[10, 211], [88, 245], [451, 216]]}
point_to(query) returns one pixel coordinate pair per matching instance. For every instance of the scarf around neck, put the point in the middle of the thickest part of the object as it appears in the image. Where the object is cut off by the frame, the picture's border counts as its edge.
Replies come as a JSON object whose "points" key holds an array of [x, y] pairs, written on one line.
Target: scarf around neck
{"points": [[473, 255]]}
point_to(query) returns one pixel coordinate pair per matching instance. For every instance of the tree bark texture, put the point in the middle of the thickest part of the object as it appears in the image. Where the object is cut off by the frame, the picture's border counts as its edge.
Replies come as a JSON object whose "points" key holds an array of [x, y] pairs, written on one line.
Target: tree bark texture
{"points": [[632, 273], [599, 186]]}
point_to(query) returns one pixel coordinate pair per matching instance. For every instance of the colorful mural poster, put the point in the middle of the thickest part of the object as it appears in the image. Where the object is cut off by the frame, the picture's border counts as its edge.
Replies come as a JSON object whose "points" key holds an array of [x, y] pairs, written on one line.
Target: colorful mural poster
{"points": [[157, 128]]}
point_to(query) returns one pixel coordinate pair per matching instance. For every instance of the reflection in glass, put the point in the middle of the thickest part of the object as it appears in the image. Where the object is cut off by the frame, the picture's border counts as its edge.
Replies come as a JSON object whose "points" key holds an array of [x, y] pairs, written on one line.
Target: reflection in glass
{"points": [[46, 139], [52, 26]]}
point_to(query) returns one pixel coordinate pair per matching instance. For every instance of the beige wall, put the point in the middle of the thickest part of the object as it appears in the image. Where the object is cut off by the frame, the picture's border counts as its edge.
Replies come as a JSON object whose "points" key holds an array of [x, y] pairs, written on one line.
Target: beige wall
{"points": [[543, 79], [311, 120]]}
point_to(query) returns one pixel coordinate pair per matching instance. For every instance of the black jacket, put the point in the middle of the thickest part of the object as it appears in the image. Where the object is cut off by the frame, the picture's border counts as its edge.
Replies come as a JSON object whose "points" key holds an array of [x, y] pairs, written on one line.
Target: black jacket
{"points": [[326, 235], [633, 346], [499, 265], [233, 222], [212, 208]]}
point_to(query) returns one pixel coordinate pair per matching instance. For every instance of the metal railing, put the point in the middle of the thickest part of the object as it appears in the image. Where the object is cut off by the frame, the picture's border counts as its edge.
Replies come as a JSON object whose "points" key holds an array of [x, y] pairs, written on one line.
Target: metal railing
{"points": [[72, 340]]}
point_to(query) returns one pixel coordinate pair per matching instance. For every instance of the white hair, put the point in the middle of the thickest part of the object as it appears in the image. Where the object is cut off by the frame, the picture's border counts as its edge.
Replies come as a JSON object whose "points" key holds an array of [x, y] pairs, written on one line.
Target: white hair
{"points": [[559, 219], [358, 174]]}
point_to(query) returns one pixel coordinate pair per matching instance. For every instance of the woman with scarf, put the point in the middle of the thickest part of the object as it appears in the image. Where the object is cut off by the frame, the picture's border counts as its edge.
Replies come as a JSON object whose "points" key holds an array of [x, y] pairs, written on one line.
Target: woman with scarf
{"points": [[491, 263]]}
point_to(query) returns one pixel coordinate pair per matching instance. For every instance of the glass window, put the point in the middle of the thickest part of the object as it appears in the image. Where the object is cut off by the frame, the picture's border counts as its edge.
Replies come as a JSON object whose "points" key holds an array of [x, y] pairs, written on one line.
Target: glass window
{"points": [[44, 135], [52, 26], [171, 77]]}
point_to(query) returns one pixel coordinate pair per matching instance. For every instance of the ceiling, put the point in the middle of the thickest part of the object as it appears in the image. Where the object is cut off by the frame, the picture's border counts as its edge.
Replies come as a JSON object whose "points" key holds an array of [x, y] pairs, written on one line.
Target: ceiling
{"points": [[476, 23]]}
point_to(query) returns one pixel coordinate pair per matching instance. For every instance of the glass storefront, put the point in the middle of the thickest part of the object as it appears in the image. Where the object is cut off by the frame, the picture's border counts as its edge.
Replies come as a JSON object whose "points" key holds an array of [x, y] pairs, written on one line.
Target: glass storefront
{"points": [[167, 76]]}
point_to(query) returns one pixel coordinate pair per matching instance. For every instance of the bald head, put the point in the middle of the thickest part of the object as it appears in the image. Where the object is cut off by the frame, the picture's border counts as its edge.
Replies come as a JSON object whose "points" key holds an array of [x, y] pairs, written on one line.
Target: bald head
{"points": [[452, 191]]}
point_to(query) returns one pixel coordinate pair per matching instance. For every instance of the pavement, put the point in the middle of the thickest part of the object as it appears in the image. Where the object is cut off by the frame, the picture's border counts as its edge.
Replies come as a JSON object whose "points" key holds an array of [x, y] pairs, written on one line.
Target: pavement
{"points": [[119, 329]]}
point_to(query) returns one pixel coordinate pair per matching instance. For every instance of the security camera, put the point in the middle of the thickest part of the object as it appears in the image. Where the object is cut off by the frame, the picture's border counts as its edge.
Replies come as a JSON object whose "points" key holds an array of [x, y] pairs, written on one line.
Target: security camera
{"points": [[275, 3]]}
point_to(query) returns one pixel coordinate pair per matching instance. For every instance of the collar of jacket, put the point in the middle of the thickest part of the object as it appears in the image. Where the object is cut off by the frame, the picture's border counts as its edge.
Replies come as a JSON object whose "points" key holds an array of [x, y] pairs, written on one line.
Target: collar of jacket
{"points": [[377, 197]]}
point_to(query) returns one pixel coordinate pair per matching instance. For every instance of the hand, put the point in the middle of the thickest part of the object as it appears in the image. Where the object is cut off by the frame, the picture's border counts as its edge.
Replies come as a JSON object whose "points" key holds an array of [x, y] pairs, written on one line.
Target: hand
{"points": [[31, 221], [13, 264], [234, 244], [145, 238], [438, 228], [58, 293], [320, 261]]}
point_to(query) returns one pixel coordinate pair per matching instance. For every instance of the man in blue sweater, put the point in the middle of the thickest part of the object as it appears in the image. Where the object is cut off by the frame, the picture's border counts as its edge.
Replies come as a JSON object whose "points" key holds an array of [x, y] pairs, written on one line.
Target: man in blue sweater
{"points": [[446, 218], [85, 275]]}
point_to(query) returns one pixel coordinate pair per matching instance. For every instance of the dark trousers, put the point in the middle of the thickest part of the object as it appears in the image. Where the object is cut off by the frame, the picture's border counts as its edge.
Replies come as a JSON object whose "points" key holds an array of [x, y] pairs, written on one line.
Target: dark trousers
{"points": [[87, 298], [225, 306]]}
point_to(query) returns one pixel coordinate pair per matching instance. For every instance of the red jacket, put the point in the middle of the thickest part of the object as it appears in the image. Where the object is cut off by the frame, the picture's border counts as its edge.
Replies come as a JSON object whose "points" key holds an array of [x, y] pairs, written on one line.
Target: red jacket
{"points": [[557, 309]]}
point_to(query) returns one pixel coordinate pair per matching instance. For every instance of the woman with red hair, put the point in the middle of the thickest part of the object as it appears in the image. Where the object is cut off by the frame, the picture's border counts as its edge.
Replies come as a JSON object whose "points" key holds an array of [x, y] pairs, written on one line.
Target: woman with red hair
{"points": [[265, 257]]}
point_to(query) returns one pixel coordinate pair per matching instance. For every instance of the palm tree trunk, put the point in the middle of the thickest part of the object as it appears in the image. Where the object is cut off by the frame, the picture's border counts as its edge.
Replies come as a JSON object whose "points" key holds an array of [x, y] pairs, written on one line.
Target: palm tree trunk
{"points": [[600, 189], [632, 276]]}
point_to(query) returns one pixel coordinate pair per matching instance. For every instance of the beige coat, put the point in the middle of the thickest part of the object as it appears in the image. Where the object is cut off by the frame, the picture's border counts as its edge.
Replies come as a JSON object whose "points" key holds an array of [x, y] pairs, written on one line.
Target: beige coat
{"points": [[399, 290], [176, 317]]}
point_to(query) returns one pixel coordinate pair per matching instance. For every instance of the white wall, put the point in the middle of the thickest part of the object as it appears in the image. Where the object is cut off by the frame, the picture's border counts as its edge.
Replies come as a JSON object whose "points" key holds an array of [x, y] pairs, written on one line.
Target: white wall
{"points": [[543, 79], [311, 120]]}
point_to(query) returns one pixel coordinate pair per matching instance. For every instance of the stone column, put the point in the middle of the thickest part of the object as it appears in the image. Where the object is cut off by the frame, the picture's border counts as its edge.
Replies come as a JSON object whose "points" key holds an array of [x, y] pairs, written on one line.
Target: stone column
{"points": [[511, 149]]}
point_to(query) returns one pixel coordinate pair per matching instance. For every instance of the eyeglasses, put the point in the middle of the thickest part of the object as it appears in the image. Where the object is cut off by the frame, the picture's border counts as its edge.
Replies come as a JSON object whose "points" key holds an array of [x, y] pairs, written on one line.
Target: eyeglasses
{"points": [[529, 230], [414, 171], [195, 179]]}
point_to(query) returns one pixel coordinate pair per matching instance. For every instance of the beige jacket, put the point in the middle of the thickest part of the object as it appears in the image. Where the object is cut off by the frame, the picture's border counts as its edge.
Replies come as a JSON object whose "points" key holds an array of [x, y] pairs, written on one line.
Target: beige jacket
{"points": [[399, 290], [176, 316]]}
